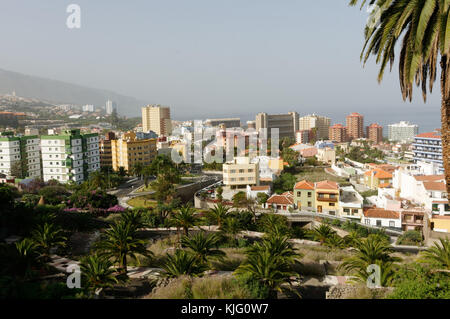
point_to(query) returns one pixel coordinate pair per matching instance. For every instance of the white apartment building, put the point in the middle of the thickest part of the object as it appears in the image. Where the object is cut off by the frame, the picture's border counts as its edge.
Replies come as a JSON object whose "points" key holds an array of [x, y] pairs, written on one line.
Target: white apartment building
{"points": [[70, 156], [240, 172], [321, 124], [403, 132], [110, 107], [88, 108], [20, 155]]}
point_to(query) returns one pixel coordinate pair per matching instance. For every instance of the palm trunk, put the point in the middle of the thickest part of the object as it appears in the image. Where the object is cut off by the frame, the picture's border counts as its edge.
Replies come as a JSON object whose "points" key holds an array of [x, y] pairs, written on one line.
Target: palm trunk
{"points": [[445, 117]]}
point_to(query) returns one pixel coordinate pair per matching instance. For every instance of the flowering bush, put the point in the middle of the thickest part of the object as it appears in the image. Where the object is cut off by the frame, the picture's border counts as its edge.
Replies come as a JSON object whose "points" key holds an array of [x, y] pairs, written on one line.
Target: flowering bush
{"points": [[91, 200], [116, 209]]}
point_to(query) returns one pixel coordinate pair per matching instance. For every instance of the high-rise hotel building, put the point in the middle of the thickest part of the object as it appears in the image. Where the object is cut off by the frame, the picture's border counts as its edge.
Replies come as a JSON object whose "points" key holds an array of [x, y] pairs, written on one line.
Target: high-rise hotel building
{"points": [[287, 124], [70, 156], [374, 133], [156, 118], [403, 132], [428, 149]]}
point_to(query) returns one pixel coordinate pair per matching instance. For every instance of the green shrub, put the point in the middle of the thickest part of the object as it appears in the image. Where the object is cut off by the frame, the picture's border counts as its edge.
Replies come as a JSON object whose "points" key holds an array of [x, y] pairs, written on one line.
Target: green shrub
{"points": [[410, 237]]}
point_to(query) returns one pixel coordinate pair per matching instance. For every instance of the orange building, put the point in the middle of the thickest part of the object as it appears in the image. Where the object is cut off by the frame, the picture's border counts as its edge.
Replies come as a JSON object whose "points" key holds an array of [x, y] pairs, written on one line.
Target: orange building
{"points": [[355, 126], [374, 133], [338, 133]]}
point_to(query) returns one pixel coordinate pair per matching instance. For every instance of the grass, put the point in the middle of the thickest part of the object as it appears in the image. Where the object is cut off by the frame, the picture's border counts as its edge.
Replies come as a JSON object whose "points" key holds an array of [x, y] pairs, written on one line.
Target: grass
{"points": [[317, 175], [145, 201], [234, 258], [202, 288]]}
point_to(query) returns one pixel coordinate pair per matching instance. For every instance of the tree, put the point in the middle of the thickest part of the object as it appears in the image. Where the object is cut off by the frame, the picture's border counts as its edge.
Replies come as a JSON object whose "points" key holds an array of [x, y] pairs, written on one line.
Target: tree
{"points": [[138, 169], [438, 254], [220, 194], [97, 272], [371, 251], [182, 263], [185, 218], [231, 228], [262, 198], [47, 236], [322, 233], [203, 246], [219, 213], [120, 242], [133, 218], [164, 189], [16, 169], [423, 28]]}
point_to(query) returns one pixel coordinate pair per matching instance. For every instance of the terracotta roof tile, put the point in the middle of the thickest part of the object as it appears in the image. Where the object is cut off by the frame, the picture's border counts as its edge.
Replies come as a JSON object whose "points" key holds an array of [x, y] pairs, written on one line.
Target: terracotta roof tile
{"points": [[381, 213], [304, 185], [434, 186], [327, 185]]}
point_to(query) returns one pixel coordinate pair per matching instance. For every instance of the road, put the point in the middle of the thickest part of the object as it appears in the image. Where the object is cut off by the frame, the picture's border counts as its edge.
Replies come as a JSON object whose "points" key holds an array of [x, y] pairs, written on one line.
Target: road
{"points": [[126, 188]]}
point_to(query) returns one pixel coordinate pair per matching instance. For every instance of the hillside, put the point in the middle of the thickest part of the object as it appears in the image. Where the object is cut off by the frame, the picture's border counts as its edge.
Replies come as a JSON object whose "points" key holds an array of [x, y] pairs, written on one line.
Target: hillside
{"points": [[65, 93]]}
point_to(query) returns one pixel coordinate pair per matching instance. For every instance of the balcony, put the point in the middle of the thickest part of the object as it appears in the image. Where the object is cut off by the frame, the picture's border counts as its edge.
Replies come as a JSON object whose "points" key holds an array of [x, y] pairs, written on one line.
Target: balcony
{"points": [[327, 199]]}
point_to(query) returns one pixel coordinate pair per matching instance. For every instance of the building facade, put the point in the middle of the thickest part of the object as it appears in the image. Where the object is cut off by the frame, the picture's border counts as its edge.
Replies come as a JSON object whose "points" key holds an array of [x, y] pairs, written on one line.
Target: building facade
{"points": [[338, 133], [70, 156], [20, 156], [304, 195], [227, 122], [128, 150], [355, 126], [156, 118], [374, 133], [240, 172], [287, 124], [327, 197], [427, 148], [319, 124], [403, 132]]}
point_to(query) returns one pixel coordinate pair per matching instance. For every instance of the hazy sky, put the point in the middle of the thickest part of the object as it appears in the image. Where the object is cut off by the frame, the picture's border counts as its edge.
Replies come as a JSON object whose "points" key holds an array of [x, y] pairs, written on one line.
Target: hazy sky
{"points": [[210, 58]]}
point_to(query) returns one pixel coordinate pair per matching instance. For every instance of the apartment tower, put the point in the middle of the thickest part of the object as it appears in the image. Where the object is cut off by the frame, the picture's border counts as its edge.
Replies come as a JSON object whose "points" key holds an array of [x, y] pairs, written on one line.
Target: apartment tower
{"points": [[317, 123], [374, 133], [156, 118], [355, 126]]}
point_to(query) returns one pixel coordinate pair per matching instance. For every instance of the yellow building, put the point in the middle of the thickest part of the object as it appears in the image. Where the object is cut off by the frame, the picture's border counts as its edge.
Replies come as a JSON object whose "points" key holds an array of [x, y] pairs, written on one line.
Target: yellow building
{"points": [[156, 118], [129, 150], [327, 197], [240, 173], [440, 224], [377, 178]]}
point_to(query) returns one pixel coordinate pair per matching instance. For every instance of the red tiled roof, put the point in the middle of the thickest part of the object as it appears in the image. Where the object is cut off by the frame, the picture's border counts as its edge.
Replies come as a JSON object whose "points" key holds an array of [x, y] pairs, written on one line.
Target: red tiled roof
{"points": [[434, 186], [327, 185], [281, 199], [384, 185], [429, 178], [260, 188], [429, 135], [304, 185], [379, 173], [381, 213], [308, 152]]}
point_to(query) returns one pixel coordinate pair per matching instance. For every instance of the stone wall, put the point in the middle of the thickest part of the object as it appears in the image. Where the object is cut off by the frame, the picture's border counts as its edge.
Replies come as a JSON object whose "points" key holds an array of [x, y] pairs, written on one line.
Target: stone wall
{"points": [[357, 292]]}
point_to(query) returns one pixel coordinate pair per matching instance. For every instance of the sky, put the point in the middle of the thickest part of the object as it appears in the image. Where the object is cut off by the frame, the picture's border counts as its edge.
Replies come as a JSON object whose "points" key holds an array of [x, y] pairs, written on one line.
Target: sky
{"points": [[212, 58]]}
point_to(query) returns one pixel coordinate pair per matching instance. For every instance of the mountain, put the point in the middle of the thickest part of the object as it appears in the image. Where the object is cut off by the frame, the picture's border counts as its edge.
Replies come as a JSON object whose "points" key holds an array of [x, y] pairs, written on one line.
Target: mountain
{"points": [[65, 93]]}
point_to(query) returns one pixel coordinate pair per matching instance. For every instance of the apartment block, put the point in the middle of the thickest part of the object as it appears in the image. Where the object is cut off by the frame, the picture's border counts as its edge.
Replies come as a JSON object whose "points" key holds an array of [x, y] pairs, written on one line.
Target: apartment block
{"points": [[338, 133], [355, 126], [303, 136], [427, 148], [227, 122], [156, 118], [287, 124], [374, 133], [327, 197], [128, 150], [240, 172], [318, 124], [70, 156], [402, 132], [20, 155], [106, 150]]}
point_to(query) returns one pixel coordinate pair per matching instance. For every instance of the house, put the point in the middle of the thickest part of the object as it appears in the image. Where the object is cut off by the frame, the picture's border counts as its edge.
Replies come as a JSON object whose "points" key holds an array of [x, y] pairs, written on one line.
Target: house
{"points": [[326, 155], [350, 203], [382, 218], [327, 197], [281, 203], [377, 178], [412, 220], [304, 195], [440, 223], [240, 172], [253, 191]]}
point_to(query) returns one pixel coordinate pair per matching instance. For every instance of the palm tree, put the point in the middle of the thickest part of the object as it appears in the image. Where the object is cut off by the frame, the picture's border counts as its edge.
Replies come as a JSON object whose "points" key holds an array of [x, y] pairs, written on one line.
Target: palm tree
{"points": [[371, 251], [231, 228], [423, 28], [352, 238], [203, 246], [185, 218], [335, 241], [138, 169], [47, 236], [219, 213], [97, 272], [438, 254], [120, 242], [268, 269], [322, 233], [277, 245], [133, 218], [182, 263]]}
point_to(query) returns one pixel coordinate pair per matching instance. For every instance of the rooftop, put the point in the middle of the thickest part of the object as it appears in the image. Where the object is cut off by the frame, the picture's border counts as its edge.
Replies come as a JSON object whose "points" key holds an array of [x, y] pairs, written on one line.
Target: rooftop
{"points": [[381, 213]]}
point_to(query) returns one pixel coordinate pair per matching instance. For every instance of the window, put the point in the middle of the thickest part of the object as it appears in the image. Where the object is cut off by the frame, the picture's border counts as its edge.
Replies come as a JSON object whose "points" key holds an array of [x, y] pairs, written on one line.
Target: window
{"points": [[391, 223], [309, 194], [367, 221], [378, 222], [309, 204], [331, 204]]}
